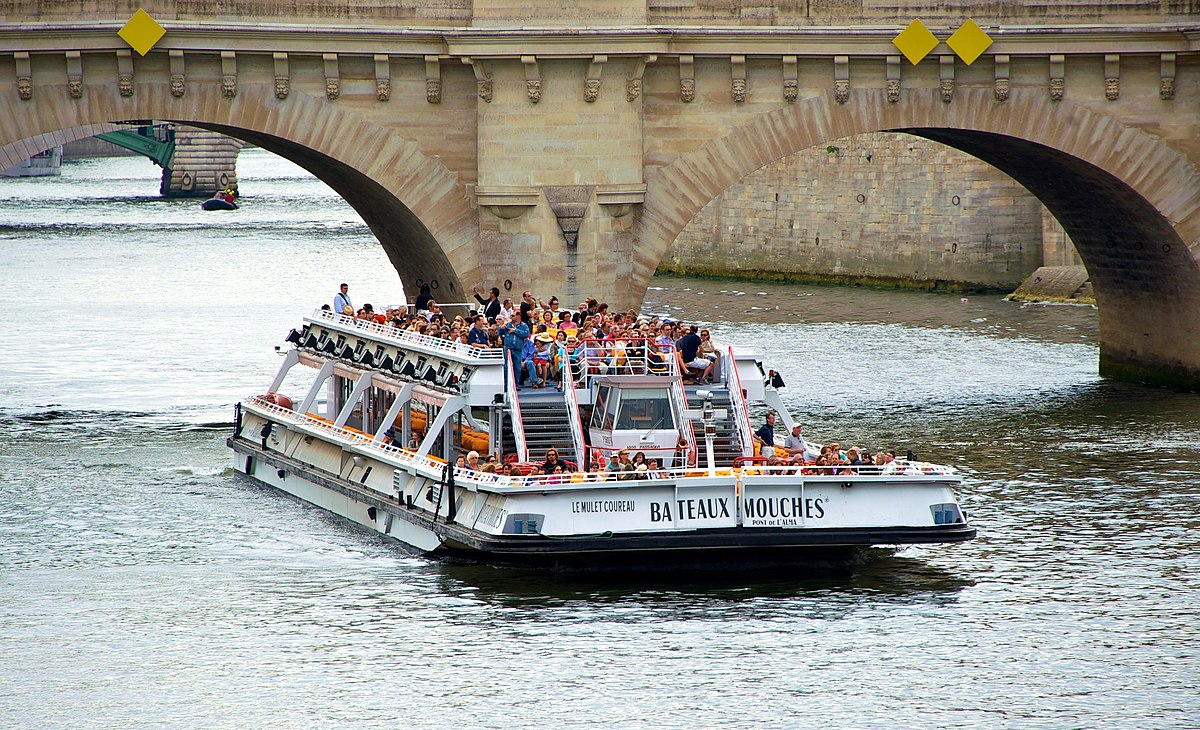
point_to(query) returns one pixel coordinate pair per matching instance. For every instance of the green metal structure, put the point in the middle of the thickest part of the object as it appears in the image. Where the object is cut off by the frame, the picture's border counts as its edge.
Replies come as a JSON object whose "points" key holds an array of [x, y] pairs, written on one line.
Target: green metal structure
{"points": [[145, 141]]}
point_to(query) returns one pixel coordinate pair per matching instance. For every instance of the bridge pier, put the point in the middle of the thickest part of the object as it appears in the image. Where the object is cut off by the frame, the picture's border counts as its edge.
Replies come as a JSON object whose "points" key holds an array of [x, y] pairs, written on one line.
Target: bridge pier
{"points": [[204, 163]]}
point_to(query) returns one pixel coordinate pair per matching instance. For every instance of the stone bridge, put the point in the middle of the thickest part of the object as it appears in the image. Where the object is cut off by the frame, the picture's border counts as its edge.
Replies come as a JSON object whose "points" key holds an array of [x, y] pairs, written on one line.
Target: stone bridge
{"points": [[564, 148]]}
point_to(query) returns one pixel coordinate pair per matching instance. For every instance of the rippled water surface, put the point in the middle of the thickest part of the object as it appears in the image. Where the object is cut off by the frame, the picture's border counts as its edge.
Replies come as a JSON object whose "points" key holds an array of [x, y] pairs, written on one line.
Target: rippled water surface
{"points": [[142, 585]]}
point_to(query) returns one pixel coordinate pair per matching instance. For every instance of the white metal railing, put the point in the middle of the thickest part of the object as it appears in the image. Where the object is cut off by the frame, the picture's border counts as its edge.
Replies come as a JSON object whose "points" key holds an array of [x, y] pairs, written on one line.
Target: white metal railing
{"points": [[572, 402], [357, 438], [406, 337], [688, 430], [514, 411], [622, 356], [740, 413], [432, 467]]}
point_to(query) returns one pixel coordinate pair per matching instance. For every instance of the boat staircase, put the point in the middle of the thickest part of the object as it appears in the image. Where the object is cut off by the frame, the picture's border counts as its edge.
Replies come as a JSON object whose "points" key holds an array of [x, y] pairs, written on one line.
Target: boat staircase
{"points": [[727, 445], [547, 424]]}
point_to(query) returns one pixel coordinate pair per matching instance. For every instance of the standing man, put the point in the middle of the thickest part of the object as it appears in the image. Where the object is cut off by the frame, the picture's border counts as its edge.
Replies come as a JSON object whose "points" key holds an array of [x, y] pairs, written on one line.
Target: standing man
{"points": [[514, 334], [491, 307], [341, 300], [765, 436]]}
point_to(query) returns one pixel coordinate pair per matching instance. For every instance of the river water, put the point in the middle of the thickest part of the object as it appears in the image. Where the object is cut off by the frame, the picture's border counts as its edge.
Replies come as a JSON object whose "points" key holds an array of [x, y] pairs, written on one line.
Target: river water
{"points": [[143, 585]]}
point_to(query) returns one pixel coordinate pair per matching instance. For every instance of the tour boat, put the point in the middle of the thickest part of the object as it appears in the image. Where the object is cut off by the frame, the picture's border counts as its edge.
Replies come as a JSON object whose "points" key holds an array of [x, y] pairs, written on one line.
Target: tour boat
{"points": [[366, 421], [46, 163]]}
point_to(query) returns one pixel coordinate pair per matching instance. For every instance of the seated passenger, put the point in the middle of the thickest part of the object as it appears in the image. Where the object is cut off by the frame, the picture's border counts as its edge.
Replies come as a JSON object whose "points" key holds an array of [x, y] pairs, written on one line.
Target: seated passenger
{"points": [[541, 358], [551, 461], [654, 471], [689, 353]]}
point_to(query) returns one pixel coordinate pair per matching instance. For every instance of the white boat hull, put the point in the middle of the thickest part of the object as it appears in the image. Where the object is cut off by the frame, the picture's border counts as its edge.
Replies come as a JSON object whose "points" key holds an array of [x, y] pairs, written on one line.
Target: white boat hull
{"points": [[736, 520]]}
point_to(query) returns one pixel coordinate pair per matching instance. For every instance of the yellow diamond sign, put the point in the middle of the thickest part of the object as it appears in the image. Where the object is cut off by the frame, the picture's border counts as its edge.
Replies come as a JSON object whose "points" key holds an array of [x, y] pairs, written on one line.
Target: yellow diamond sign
{"points": [[915, 42], [141, 32], [969, 42]]}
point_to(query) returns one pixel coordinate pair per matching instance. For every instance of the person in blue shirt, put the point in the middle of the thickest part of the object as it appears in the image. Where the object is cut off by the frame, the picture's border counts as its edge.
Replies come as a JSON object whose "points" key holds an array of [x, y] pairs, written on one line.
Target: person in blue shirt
{"points": [[477, 336], [341, 300], [528, 353], [514, 334]]}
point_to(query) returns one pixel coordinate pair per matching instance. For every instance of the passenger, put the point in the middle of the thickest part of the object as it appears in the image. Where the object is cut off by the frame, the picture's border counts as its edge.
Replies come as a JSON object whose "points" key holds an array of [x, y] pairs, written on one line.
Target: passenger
{"points": [[477, 336], [341, 300], [423, 298], [488, 469], [529, 367], [797, 447], [515, 332], [689, 353], [624, 466], [641, 471], [541, 359], [707, 349], [765, 435], [551, 461], [653, 470], [514, 471], [491, 307], [460, 462], [639, 459], [473, 460]]}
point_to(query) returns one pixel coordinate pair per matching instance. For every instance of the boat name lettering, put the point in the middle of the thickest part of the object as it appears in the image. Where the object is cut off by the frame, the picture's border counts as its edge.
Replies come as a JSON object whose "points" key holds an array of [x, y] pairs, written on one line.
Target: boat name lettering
{"points": [[690, 509], [604, 505], [779, 511]]}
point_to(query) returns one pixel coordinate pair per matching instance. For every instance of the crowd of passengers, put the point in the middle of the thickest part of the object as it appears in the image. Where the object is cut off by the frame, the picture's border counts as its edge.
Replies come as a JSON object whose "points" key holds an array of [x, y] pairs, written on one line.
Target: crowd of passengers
{"points": [[539, 338], [622, 465], [626, 464]]}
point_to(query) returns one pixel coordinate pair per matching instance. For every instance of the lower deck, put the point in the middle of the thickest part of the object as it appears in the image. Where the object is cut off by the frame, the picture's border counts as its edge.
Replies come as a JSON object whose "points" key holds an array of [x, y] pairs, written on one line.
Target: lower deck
{"points": [[687, 517]]}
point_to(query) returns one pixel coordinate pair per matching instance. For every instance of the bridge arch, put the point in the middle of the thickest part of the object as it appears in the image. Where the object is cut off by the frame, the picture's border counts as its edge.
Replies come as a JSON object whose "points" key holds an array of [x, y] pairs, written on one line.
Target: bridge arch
{"points": [[417, 208], [1130, 202]]}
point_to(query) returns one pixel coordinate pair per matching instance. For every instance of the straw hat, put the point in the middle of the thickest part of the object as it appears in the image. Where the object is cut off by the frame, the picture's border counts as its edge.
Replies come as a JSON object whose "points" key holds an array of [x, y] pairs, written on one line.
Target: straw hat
{"points": [[544, 337]]}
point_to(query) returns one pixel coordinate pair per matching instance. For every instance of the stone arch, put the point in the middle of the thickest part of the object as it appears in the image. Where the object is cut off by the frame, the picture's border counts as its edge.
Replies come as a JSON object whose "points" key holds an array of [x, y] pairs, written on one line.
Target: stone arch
{"points": [[22, 149], [413, 204], [1129, 201]]}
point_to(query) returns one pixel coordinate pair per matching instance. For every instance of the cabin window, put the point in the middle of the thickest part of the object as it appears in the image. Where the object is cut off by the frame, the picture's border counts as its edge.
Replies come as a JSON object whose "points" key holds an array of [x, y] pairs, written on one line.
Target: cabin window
{"points": [[643, 409], [603, 397]]}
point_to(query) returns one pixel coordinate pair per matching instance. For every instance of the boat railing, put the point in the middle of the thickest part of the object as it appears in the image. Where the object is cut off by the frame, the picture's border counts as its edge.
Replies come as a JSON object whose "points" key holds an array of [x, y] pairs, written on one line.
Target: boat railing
{"points": [[350, 435], [622, 356], [572, 401], [405, 337], [756, 467], [514, 412], [687, 428], [737, 401]]}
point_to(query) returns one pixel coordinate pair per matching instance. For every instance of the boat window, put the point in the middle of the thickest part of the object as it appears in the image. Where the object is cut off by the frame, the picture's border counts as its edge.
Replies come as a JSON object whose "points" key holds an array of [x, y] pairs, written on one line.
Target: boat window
{"points": [[644, 409], [602, 399], [610, 409]]}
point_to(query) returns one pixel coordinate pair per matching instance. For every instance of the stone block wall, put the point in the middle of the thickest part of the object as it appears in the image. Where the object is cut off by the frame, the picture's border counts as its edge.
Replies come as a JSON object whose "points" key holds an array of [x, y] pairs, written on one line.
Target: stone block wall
{"points": [[879, 208], [204, 163]]}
